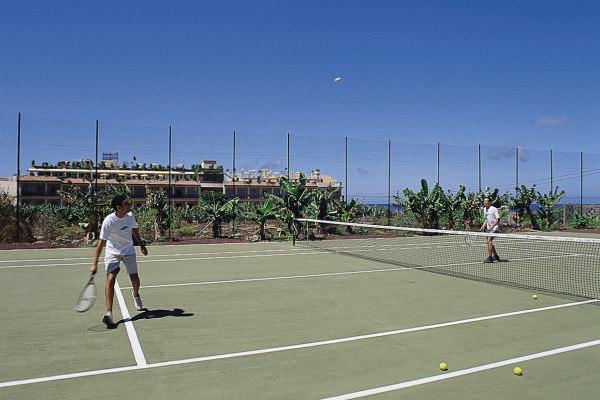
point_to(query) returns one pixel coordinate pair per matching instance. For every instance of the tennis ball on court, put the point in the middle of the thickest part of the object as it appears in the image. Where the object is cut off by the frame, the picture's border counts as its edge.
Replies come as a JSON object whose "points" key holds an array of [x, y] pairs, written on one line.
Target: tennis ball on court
{"points": [[443, 366], [517, 371], [337, 79], [534, 296]]}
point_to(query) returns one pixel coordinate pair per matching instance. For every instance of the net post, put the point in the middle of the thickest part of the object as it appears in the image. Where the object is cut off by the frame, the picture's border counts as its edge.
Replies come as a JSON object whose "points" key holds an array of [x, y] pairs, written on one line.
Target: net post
{"points": [[294, 232], [307, 234]]}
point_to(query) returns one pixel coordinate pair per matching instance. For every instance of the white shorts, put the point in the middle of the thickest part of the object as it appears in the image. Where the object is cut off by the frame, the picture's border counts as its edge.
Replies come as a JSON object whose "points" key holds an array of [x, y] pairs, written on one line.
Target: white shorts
{"points": [[113, 261]]}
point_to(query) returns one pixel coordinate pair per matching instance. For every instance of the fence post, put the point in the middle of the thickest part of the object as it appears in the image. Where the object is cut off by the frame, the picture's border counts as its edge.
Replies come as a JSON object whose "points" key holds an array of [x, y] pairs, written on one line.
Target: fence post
{"points": [[233, 172], [170, 173], [389, 179], [581, 184], [479, 165], [18, 209], [438, 163], [96, 161], [551, 174], [233, 180], [346, 178], [516, 169]]}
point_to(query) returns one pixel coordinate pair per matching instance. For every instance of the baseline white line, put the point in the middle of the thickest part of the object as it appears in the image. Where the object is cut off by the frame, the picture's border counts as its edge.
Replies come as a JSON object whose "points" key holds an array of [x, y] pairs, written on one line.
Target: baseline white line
{"points": [[503, 363], [293, 249], [291, 347], [174, 259], [140, 359]]}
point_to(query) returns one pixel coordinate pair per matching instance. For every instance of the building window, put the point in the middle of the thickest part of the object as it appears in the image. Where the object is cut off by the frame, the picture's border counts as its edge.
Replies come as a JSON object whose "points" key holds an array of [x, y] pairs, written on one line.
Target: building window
{"points": [[210, 178]]}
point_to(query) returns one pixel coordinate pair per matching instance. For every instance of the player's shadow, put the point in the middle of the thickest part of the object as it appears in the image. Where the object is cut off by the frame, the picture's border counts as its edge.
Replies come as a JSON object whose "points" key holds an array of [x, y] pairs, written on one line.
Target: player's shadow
{"points": [[153, 314]]}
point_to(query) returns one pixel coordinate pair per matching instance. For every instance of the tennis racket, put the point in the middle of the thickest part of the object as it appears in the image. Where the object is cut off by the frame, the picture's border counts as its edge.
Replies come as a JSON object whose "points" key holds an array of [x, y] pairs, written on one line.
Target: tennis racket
{"points": [[87, 298], [471, 240]]}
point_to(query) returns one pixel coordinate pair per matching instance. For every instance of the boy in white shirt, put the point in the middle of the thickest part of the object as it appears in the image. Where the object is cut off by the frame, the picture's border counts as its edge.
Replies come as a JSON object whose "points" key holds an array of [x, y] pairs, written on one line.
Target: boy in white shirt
{"points": [[490, 214], [116, 235]]}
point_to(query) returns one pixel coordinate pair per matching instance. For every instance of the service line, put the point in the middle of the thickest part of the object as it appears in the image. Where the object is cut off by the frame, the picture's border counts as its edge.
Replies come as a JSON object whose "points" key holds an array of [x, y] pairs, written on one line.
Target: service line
{"points": [[323, 343]]}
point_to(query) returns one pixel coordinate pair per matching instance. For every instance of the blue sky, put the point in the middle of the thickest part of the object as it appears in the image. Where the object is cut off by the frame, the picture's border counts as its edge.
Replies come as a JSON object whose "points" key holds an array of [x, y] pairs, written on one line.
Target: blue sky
{"points": [[496, 73]]}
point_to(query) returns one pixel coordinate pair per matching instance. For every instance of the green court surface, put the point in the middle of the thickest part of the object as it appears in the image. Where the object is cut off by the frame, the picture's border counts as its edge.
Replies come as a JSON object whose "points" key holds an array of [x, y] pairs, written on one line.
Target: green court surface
{"points": [[272, 321]]}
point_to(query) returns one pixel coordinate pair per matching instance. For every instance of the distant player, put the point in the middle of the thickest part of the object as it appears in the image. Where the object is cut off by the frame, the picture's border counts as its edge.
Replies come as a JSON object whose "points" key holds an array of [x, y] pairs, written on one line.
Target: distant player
{"points": [[492, 218], [116, 235]]}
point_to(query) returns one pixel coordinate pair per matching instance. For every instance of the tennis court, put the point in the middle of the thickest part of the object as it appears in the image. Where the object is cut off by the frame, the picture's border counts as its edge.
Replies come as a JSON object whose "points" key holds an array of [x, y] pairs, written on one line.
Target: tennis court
{"points": [[272, 321]]}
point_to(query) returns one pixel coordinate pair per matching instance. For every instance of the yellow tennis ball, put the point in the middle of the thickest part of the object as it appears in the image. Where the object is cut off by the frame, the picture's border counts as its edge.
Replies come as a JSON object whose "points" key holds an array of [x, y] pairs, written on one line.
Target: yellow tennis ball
{"points": [[443, 366], [517, 371], [337, 79], [534, 296]]}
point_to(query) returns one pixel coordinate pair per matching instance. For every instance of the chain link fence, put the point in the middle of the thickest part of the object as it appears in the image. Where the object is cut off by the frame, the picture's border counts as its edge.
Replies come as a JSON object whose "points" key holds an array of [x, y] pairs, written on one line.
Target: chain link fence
{"points": [[372, 170]]}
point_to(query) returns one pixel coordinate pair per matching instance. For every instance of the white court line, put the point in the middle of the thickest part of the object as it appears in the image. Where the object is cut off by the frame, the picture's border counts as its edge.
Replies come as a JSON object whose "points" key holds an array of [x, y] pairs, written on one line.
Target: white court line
{"points": [[367, 271], [140, 359], [286, 348], [436, 378], [142, 260], [154, 255], [275, 278]]}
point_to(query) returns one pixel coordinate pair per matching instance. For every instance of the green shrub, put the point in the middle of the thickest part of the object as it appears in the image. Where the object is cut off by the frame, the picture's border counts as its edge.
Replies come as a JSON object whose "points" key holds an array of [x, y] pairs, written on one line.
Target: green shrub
{"points": [[583, 221], [185, 231]]}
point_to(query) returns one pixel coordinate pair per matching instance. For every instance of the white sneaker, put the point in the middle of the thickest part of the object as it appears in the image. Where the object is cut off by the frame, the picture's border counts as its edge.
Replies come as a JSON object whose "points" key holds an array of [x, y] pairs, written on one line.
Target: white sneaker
{"points": [[137, 302], [108, 319]]}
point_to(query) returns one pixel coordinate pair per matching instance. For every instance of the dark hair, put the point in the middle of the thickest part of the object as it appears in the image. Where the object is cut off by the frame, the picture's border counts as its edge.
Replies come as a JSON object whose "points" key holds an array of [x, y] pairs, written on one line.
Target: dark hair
{"points": [[118, 200]]}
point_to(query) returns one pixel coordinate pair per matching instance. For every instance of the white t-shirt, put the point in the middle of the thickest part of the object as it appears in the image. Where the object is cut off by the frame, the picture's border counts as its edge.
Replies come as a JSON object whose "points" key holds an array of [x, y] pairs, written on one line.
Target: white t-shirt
{"points": [[491, 216], [117, 233]]}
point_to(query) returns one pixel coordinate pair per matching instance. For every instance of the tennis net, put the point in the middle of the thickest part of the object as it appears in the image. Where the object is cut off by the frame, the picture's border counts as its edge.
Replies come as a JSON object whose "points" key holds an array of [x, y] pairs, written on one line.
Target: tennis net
{"points": [[564, 266]]}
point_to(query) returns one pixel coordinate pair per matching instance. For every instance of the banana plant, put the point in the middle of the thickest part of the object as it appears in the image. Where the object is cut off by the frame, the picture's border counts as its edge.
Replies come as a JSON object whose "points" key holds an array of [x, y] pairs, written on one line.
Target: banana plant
{"points": [[428, 205], [8, 221], [522, 202], [347, 212], [91, 204], [292, 203], [452, 204], [546, 204], [322, 204], [155, 200], [471, 207], [261, 214], [217, 211]]}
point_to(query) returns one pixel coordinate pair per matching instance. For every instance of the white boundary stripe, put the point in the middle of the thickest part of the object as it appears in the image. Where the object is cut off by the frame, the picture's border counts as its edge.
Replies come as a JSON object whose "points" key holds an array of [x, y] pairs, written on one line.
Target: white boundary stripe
{"points": [[140, 359], [174, 259], [157, 255], [291, 347], [275, 278], [462, 372], [159, 246], [366, 271]]}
